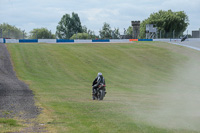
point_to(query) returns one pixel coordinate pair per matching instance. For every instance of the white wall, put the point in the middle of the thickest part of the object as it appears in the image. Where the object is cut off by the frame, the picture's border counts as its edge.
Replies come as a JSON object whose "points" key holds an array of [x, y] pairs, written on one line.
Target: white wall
{"points": [[12, 40], [1, 40], [82, 41], [162, 40], [119, 40], [46, 40]]}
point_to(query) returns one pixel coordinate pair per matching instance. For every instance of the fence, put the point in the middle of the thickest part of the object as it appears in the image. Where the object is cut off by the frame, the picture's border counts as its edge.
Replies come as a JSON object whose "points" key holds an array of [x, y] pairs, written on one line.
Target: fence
{"points": [[9, 34], [163, 34], [173, 34]]}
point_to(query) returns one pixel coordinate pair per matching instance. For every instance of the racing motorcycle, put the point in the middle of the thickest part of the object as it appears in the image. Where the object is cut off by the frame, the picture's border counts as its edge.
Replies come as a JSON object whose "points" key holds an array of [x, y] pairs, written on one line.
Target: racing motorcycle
{"points": [[183, 39], [100, 92]]}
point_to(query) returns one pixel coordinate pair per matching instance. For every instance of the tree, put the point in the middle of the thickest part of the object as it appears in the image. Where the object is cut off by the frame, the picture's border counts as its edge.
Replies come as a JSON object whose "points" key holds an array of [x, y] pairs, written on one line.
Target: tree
{"points": [[87, 34], [84, 36], [81, 36], [115, 33], [68, 26], [166, 21], [92, 35], [129, 31], [41, 33], [84, 29], [105, 32], [9, 31]]}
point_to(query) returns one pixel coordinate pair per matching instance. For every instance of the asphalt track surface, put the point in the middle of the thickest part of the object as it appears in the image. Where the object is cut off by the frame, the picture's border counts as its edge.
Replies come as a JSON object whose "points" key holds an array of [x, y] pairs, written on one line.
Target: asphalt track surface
{"points": [[190, 44], [16, 99]]}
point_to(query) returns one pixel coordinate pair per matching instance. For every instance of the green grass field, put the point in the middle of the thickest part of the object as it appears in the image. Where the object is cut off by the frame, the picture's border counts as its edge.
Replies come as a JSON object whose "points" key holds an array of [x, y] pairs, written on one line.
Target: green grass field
{"points": [[153, 87]]}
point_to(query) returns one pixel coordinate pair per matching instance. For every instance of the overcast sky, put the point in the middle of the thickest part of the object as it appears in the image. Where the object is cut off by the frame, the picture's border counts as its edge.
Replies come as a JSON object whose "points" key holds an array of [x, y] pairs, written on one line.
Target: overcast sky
{"points": [[30, 14]]}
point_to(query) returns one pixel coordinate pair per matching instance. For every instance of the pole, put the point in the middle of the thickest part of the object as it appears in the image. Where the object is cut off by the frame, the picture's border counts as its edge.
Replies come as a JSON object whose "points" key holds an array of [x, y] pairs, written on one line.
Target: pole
{"points": [[1, 33], [160, 34], [8, 33], [23, 33], [50, 34], [36, 34], [124, 32], [199, 32]]}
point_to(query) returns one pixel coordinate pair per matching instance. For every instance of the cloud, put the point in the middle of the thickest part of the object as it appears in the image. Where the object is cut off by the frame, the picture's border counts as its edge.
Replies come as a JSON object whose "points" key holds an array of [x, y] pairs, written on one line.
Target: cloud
{"points": [[93, 13]]}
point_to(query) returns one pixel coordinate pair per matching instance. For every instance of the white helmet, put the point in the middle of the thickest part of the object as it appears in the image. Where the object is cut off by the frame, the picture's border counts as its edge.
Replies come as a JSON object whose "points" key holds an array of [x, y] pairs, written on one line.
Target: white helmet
{"points": [[99, 74]]}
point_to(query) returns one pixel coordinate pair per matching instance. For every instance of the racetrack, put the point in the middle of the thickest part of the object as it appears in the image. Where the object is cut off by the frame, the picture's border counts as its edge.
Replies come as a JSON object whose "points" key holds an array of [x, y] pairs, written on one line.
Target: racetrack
{"points": [[190, 44], [16, 99]]}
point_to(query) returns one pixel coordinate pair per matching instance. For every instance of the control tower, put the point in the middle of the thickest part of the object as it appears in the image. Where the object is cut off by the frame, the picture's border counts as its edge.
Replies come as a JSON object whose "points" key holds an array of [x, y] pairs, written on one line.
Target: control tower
{"points": [[136, 29]]}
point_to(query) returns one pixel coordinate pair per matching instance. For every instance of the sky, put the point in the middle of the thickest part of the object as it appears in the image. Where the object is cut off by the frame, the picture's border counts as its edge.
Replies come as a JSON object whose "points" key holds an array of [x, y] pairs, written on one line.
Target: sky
{"points": [[30, 14]]}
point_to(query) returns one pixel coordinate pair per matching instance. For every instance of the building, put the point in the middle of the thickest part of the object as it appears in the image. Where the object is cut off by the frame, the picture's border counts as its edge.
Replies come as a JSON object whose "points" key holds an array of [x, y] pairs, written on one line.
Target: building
{"points": [[136, 29], [196, 34]]}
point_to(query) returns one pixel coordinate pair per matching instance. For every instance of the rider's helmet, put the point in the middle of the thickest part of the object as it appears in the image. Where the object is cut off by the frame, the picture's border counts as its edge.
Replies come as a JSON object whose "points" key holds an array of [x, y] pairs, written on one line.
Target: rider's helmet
{"points": [[99, 74]]}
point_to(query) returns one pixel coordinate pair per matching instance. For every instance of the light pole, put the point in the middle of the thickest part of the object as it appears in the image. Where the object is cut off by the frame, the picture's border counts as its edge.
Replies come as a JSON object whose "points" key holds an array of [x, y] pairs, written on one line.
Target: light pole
{"points": [[124, 33]]}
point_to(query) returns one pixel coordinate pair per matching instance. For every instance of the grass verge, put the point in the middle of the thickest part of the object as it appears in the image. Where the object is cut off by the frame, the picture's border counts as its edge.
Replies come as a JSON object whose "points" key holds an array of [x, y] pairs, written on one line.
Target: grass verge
{"points": [[139, 78], [8, 125]]}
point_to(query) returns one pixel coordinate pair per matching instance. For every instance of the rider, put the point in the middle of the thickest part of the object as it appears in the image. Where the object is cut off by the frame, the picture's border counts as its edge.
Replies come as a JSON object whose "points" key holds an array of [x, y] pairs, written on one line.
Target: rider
{"points": [[98, 80]]}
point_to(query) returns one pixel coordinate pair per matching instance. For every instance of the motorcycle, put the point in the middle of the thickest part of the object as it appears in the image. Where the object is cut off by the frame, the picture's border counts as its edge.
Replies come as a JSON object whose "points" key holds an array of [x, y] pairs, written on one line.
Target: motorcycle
{"points": [[183, 39], [100, 92]]}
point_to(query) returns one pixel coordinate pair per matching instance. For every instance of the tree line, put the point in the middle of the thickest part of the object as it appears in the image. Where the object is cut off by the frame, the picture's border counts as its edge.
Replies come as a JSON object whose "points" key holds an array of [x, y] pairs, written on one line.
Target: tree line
{"points": [[167, 22], [70, 27]]}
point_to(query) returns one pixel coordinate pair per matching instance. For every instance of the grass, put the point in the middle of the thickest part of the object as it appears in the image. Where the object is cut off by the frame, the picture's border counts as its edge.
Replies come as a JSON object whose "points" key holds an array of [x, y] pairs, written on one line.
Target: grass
{"points": [[137, 77], [10, 122], [8, 125]]}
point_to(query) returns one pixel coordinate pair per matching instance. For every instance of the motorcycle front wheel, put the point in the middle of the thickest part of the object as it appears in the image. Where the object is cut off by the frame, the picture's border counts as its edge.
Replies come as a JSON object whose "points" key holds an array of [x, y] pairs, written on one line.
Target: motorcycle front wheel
{"points": [[102, 94]]}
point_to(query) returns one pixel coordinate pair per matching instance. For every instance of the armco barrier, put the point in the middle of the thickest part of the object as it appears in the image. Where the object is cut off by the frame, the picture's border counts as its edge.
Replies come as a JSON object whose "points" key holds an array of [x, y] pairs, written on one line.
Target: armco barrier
{"points": [[28, 40], [131, 40], [119, 40], [145, 39], [12, 41], [2, 40], [64, 41], [82, 41], [107, 40], [46, 40], [135, 40]]}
